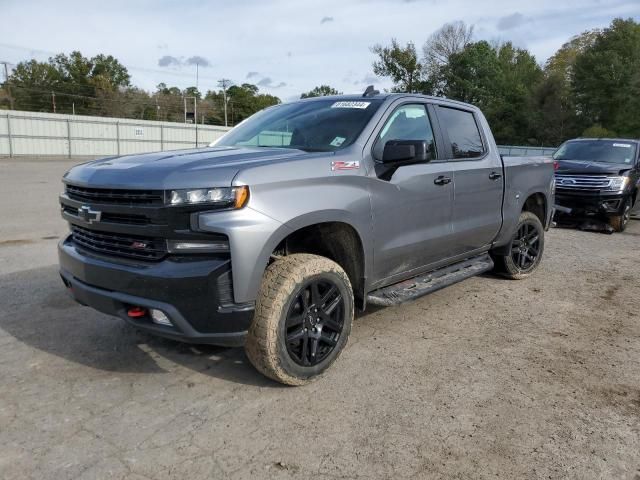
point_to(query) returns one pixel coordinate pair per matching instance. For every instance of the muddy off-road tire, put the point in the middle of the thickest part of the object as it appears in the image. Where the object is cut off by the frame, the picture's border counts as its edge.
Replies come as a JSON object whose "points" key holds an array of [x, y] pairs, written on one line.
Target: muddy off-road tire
{"points": [[302, 320], [620, 222], [526, 248]]}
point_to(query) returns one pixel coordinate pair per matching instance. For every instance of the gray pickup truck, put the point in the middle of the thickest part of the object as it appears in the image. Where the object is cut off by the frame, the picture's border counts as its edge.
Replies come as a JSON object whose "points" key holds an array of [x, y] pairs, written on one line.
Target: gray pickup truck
{"points": [[274, 235]]}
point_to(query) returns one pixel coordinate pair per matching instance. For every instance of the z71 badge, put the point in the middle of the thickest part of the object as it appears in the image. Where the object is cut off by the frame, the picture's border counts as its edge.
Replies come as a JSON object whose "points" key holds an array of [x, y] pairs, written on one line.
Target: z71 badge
{"points": [[354, 165]]}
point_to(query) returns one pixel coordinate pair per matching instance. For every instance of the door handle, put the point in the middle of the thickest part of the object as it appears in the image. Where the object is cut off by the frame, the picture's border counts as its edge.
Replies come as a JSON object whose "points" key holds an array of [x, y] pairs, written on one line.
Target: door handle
{"points": [[495, 175], [442, 180]]}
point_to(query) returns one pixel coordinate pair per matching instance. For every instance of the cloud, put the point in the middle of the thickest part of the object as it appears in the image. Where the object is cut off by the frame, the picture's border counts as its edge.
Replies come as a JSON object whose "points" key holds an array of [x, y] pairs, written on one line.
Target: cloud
{"points": [[198, 60], [268, 82], [512, 21], [253, 74], [368, 79], [169, 61], [326, 20], [162, 46]]}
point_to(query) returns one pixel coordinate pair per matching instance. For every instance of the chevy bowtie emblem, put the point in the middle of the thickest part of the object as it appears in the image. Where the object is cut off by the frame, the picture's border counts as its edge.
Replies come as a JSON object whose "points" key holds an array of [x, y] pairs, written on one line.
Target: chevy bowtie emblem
{"points": [[88, 215]]}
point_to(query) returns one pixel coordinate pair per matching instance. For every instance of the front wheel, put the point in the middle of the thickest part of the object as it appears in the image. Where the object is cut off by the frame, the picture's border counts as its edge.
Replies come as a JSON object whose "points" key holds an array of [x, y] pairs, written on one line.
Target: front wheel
{"points": [[302, 320], [525, 250], [620, 222]]}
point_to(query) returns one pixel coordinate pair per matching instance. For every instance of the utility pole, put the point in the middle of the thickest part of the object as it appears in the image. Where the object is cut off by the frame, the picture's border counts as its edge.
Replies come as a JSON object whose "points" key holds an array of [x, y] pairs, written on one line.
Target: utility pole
{"points": [[195, 104], [195, 116], [184, 99], [224, 84], [6, 83], [53, 101]]}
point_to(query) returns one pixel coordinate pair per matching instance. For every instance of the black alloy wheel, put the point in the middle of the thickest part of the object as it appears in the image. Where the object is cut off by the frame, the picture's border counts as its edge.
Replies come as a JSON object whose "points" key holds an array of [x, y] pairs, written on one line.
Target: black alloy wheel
{"points": [[525, 246], [314, 322]]}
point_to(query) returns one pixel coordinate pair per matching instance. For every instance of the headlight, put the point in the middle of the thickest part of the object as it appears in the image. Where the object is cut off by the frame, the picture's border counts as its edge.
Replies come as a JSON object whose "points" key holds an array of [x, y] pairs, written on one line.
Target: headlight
{"points": [[223, 197], [617, 184]]}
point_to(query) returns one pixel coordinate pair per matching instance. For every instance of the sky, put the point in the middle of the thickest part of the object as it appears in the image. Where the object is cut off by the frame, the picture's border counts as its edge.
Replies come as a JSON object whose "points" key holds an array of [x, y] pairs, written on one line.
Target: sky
{"points": [[286, 47]]}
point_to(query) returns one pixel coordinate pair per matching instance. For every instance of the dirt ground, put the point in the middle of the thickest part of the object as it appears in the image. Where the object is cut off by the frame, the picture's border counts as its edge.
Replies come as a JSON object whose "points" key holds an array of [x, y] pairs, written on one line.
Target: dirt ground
{"points": [[486, 379]]}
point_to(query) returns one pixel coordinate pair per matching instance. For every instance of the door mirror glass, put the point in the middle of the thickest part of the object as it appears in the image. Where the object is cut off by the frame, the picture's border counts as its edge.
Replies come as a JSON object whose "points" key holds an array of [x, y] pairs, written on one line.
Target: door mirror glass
{"points": [[405, 152]]}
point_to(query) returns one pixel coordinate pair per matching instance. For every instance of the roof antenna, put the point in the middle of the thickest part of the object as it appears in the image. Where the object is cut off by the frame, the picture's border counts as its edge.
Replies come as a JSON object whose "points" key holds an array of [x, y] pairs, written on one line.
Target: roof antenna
{"points": [[370, 92]]}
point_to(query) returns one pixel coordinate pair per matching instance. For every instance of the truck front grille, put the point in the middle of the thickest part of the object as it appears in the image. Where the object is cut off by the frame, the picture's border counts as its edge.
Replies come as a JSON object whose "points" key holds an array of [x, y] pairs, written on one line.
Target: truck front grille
{"points": [[108, 217], [137, 247], [115, 196], [592, 183]]}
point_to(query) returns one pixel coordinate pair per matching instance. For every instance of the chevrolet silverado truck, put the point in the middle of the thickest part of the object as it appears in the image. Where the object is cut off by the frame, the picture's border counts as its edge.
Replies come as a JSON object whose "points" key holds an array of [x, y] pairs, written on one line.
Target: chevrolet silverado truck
{"points": [[598, 177], [271, 237]]}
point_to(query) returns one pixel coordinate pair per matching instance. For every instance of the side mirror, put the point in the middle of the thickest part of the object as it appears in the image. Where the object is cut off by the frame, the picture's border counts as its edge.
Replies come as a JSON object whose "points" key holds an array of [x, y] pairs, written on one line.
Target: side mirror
{"points": [[406, 152]]}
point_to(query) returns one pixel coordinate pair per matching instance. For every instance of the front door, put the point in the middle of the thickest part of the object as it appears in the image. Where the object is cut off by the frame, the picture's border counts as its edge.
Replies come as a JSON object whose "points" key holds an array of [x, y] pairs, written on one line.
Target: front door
{"points": [[412, 208]]}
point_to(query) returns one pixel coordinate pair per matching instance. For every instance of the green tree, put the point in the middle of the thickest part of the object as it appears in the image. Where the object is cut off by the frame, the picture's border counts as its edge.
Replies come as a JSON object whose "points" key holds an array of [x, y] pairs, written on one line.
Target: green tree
{"points": [[401, 65], [554, 111], [242, 101], [32, 83], [598, 131], [88, 85], [192, 92], [564, 59], [321, 91], [606, 79], [500, 80], [553, 99]]}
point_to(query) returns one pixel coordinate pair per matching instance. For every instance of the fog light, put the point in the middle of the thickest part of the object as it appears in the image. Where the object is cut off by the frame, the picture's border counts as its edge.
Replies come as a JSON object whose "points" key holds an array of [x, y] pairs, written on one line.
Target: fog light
{"points": [[197, 246], [160, 318]]}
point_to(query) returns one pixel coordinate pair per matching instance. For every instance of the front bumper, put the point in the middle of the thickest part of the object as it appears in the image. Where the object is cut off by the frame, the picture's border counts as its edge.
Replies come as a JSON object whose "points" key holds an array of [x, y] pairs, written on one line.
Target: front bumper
{"points": [[590, 205], [194, 292]]}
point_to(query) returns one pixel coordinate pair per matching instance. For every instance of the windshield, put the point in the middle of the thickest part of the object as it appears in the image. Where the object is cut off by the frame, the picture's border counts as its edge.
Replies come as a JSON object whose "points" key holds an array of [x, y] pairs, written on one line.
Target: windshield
{"points": [[607, 151], [315, 126]]}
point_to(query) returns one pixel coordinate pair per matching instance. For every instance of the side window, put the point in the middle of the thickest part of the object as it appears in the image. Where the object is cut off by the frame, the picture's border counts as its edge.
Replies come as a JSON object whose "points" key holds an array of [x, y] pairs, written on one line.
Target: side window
{"points": [[463, 132], [408, 122]]}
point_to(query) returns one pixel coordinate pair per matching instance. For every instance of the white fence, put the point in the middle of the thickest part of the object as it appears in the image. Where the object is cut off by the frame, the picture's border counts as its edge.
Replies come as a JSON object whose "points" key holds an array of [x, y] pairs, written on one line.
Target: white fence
{"points": [[50, 134], [54, 135]]}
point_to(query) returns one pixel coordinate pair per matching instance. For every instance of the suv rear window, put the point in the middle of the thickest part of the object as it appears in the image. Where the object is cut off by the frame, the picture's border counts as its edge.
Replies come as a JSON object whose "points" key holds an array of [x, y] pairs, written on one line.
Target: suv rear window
{"points": [[463, 132]]}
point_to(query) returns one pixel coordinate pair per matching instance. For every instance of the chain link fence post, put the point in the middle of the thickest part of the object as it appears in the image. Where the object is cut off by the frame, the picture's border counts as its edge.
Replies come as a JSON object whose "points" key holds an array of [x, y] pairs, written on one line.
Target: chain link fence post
{"points": [[118, 138], [69, 136], [9, 135]]}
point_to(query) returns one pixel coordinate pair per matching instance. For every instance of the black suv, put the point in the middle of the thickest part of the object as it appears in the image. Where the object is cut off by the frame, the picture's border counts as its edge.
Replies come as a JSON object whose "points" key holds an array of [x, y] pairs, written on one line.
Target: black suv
{"points": [[598, 178]]}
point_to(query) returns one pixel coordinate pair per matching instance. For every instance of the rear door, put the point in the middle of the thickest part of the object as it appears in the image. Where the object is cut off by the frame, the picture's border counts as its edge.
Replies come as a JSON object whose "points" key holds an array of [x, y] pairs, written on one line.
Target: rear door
{"points": [[411, 209], [477, 179]]}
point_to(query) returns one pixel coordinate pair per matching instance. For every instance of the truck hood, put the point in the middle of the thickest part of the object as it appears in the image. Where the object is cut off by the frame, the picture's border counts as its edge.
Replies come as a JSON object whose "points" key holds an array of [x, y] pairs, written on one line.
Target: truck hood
{"points": [[580, 167], [193, 168]]}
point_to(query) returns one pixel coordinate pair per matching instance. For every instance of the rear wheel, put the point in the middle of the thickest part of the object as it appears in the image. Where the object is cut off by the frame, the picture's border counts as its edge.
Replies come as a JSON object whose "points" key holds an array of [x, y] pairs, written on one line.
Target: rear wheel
{"points": [[303, 319], [525, 250], [620, 222]]}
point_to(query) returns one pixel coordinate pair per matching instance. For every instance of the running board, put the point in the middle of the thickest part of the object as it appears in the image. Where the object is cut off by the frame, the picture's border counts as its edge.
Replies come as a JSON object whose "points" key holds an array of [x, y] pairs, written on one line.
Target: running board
{"points": [[430, 282]]}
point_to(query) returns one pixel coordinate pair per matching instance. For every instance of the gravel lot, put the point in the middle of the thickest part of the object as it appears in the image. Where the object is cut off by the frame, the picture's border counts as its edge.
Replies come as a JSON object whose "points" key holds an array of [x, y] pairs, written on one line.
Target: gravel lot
{"points": [[486, 379]]}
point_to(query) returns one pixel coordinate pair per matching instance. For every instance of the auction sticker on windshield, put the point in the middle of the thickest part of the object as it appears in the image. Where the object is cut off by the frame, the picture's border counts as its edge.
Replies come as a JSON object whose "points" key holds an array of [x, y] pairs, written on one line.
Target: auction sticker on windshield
{"points": [[360, 105]]}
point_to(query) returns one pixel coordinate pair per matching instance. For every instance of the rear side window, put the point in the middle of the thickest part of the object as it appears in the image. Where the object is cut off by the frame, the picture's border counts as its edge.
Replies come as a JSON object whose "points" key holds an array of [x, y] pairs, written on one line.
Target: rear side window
{"points": [[463, 132]]}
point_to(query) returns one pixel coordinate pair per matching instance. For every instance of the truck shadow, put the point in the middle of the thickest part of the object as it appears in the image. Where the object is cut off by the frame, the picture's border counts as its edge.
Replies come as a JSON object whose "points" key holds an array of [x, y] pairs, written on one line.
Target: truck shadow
{"points": [[37, 311]]}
